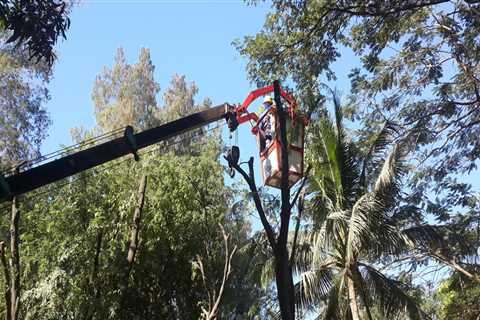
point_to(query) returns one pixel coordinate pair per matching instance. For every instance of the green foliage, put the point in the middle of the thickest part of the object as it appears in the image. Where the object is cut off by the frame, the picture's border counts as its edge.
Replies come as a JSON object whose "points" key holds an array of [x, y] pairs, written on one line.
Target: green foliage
{"points": [[419, 65], [126, 94], [352, 203], [23, 119], [36, 24], [75, 233], [458, 298], [59, 242]]}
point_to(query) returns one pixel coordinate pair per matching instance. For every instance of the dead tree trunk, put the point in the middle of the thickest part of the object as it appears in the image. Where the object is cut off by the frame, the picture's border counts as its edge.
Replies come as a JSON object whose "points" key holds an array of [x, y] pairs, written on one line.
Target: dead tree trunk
{"points": [[14, 261], [6, 273], [214, 297], [94, 287], [133, 243], [286, 293], [137, 215], [283, 263]]}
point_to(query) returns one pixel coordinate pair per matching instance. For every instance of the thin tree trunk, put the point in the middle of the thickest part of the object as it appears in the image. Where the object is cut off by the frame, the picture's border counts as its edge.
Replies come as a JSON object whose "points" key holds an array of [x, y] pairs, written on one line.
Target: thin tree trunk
{"points": [[133, 244], [132, 248], [352, 296], [6, 273], [95, 290], [14, 260]]}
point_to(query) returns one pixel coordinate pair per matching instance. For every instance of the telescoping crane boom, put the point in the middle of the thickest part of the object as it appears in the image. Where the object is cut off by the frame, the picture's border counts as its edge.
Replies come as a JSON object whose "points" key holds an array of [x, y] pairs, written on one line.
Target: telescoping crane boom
{"points": [[36, 177], [22, 181]]}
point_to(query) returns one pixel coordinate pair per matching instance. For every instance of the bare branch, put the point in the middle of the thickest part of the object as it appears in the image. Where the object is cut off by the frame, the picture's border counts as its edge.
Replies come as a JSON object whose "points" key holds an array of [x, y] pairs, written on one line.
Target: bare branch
{"points": [[250, 179], [374, 12], [6, 273], [215, 298]]}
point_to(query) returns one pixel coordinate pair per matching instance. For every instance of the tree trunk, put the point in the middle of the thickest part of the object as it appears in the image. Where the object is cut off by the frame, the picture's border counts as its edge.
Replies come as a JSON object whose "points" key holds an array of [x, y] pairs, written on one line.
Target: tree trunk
{"points": [[285, 287], [14, 261], [283, 268], [352, 296], [95, 290], [133, 244], [132, 248], [284, 277], [6, 273]]}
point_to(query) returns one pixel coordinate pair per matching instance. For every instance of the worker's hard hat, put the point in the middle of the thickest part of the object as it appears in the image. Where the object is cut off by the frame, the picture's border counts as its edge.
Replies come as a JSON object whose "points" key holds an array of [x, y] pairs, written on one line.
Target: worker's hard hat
{"points": [[268, 99]]}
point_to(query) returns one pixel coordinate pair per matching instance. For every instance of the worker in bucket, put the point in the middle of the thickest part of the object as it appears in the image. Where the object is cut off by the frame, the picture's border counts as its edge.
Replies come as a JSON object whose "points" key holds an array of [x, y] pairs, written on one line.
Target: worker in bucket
{"points": [[267, 103], [266, 129]]}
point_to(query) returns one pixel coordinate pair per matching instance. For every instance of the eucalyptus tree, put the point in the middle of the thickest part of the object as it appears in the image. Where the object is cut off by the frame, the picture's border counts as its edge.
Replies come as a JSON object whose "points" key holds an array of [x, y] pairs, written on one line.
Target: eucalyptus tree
{"points": [[23, 118], [354, 200], [126, 94], [23, 124]]}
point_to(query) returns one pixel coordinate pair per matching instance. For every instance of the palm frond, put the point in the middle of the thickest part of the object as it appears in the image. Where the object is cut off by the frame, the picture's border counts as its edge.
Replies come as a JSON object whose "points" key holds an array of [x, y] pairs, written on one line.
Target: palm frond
{"points": [[382, 140], [389, 295], [334, 305], [313, 288], [303, 252], [424, 237], [319, 207], [369, 217], [387, 184], [347, 162], [332, 176]]}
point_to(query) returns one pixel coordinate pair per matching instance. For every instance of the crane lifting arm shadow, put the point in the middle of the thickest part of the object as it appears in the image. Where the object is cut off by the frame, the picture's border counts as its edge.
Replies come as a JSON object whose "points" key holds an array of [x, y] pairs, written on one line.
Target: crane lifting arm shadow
{"points": [[35, 177]]}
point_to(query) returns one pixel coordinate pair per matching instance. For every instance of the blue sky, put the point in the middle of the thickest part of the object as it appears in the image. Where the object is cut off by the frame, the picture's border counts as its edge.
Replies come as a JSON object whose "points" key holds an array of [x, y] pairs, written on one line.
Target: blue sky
{"points": [[185, 37]]}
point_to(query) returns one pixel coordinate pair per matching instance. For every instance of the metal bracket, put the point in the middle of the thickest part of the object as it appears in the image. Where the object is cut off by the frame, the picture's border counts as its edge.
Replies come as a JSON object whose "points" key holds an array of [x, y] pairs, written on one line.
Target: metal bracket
{"points": [[231, 117], [129, 136], [232, 156]]}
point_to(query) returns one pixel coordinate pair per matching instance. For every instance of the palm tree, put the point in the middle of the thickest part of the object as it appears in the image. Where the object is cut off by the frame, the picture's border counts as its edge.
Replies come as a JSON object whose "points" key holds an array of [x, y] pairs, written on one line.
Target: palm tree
{"points": [[353, 198]]}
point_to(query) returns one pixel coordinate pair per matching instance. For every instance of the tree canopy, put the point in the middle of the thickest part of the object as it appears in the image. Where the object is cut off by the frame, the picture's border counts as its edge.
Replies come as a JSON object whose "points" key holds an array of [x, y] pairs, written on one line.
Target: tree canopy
{"points": [[37, 24]]}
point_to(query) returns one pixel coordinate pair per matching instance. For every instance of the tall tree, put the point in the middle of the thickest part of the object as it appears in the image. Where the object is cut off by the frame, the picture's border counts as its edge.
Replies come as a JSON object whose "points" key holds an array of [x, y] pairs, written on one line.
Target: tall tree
{"points": [[419, 66], [179, 100], [23, 118], [126, 94], [22, 128], [277, 234], [354, 200]]}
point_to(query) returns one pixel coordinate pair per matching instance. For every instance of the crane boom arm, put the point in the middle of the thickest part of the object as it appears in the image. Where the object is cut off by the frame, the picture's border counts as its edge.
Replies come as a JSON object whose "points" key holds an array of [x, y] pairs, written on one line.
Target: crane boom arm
{"points": [[36, 177]]}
